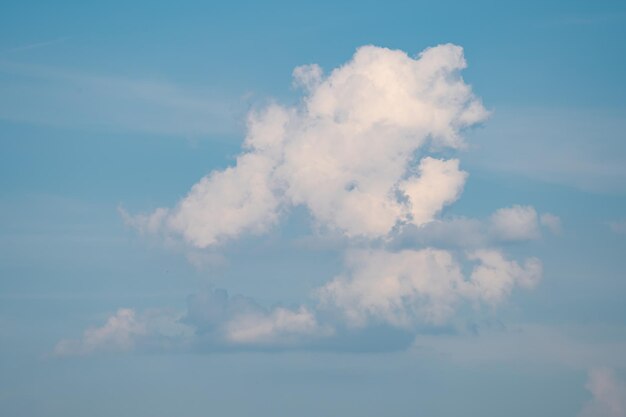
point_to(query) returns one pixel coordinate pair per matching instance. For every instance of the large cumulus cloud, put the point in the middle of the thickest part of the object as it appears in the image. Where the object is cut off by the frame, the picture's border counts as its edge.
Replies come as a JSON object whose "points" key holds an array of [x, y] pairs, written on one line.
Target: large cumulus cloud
{"points": [[352, 152], [362, 152]]}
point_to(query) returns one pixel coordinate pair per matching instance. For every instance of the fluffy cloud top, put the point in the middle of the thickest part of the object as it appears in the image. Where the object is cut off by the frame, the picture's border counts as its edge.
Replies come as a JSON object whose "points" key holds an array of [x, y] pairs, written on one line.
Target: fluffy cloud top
{"points": [[421, 286], [348, 152]]}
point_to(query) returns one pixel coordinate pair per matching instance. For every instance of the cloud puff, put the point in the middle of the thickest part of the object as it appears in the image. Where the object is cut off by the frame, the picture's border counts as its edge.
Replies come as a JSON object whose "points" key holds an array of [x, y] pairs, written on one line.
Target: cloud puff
{"points": [[278, 325], [126, 330], [519, 223], [609, 395], [551, 222], [509, 224], [421, 286], [515, 223], [119, 333], [348, 152], [237, 321]]}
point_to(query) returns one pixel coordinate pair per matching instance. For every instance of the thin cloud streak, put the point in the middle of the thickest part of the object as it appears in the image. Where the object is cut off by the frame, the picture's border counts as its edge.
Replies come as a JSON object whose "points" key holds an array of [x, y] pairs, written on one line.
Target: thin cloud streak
{"points": [[36, 45], [73, 99]]}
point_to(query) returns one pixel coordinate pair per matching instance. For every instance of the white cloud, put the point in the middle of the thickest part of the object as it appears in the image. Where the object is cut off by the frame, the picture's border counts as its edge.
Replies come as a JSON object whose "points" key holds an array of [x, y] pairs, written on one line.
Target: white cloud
{"points": [[439, 183], [213, 320], [515, 223], [238, 321], [551, 222], [421, 286], [404, 290], [494, 277], [354, 154], [347, 152], [308, 77], [125, 331], [227, 203], [119, 333], [279, 326], [609, 395]]}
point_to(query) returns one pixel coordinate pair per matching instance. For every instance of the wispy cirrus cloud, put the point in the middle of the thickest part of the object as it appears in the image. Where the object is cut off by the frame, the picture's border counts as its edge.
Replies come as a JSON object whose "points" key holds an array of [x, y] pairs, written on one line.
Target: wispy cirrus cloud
{"points": [[576, 147], [74, 99], [36, 45]]}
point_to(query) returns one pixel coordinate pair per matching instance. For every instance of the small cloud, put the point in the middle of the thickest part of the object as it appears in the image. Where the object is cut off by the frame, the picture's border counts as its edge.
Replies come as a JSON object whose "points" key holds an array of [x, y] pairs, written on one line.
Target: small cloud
{"points": [[118, 334], [618, 227], [551, 222], [278, 326], [144, 223], [608, 395], [126, 331], [515, 223], [236, 321]]}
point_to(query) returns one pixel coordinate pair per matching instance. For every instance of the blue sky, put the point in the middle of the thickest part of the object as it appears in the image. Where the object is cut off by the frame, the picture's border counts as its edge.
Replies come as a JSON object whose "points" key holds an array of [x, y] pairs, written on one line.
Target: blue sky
{"points": [[247, 209]]}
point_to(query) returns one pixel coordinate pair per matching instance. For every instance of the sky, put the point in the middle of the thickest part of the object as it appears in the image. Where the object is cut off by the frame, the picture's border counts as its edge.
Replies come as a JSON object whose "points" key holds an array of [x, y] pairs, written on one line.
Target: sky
{"points": [[313, 208]]}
